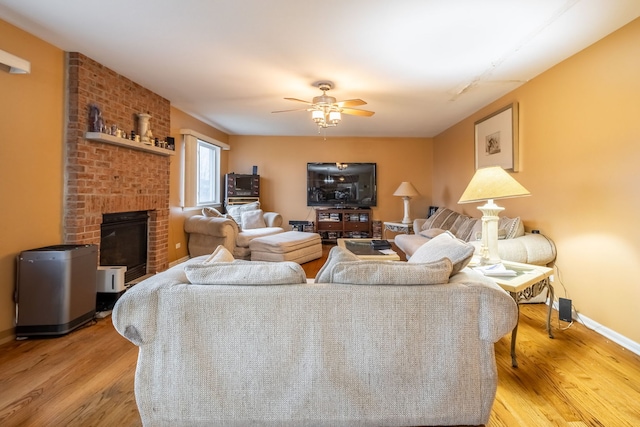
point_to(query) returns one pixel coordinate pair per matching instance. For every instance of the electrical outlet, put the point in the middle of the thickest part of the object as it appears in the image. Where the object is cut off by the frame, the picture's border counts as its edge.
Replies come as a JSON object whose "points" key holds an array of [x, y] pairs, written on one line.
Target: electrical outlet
{"points": [[178, 245], [551, 278], [564, 310]]}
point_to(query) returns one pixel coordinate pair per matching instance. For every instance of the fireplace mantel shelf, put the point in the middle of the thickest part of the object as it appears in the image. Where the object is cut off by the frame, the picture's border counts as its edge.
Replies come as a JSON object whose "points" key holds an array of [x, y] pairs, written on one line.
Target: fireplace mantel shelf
{"points": [[114, 140]]}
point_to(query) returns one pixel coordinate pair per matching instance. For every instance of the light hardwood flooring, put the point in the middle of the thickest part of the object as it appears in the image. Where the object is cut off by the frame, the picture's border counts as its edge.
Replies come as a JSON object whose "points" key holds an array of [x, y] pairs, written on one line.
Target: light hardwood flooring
{"points": [[86, 378]]}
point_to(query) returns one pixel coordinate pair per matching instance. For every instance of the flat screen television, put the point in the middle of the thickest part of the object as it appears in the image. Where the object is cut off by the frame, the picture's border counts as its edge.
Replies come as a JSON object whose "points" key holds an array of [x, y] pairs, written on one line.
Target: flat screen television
{"points": [[340, 185]]}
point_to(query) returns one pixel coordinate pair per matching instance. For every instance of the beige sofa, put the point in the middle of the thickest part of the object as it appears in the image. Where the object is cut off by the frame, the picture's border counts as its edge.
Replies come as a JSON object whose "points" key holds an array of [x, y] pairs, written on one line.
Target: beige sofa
{"points": [[513, 244], [253, 343], [207, 232]]}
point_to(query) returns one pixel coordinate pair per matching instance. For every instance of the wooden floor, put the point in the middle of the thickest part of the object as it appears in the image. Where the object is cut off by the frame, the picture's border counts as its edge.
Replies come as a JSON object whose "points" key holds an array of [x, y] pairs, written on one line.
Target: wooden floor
{"points": [[86, 378]]}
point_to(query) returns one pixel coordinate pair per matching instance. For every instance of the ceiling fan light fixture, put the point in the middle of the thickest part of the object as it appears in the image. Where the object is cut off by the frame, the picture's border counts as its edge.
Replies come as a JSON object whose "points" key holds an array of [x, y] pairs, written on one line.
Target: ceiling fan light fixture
{"points": [[326, 111]]}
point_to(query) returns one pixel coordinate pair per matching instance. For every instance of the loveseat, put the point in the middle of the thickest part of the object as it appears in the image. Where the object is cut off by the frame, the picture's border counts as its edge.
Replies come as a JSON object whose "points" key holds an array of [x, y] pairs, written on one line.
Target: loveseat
{"points": [[513, 243], [235, 343], [233, 230]]}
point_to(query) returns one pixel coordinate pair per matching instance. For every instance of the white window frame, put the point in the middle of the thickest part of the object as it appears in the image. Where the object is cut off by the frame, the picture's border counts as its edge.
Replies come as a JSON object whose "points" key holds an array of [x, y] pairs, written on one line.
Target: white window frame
{"points": [[189, 186]]}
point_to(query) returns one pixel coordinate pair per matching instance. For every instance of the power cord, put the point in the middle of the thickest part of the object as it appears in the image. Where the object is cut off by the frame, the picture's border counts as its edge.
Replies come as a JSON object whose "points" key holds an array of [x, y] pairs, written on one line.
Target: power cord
{"points": [[574, 311]]}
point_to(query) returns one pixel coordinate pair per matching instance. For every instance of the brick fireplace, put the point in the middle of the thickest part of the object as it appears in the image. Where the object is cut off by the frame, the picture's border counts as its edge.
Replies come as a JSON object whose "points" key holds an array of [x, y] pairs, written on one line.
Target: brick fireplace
{"points": [[103, 178]]}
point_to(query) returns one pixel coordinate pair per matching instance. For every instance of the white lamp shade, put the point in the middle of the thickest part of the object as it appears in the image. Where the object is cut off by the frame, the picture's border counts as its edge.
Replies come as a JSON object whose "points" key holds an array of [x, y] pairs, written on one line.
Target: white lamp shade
{"points": [[492, 183], [406, 189]]}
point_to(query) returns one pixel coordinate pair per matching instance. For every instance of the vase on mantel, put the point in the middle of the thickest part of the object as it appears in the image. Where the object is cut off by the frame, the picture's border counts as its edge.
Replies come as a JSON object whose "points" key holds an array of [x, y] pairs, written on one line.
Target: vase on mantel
{"points": [[143, 127]]}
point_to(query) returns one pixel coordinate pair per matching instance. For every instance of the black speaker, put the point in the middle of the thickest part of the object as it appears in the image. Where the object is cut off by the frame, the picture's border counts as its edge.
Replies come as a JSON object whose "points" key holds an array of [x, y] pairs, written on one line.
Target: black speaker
{"points": [[564, 309], [255, 170]]}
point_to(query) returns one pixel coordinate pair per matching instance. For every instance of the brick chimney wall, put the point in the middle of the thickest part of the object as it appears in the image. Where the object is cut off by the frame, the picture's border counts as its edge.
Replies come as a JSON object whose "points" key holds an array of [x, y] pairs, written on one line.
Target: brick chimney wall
{"points": [[104, 178]]}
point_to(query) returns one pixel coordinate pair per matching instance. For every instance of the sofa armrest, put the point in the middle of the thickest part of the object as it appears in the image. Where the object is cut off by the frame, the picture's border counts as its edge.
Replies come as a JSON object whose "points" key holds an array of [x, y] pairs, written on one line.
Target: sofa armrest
{"points": [[531, 248], [273, 219], [135, 314], [417, 224], [498, 311]]}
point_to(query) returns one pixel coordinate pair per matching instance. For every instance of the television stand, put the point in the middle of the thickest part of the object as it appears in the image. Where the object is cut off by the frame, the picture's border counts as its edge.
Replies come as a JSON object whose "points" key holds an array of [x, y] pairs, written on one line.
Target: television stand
{"points": [[343, 223]]}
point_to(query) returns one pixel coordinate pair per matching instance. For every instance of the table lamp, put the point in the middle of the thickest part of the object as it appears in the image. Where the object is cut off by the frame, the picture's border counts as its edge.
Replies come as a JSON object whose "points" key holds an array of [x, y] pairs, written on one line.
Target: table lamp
{"points": [[486, 185], [406, 191]]}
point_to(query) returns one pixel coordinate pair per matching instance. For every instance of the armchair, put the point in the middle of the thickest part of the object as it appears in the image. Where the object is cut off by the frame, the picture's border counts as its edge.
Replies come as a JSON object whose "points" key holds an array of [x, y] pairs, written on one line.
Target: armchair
{"points": [[207, 232]]}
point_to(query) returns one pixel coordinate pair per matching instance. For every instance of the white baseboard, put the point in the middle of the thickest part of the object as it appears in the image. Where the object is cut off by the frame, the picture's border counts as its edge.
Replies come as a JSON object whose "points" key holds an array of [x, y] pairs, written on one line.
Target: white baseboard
{"points": [[604, 331]]}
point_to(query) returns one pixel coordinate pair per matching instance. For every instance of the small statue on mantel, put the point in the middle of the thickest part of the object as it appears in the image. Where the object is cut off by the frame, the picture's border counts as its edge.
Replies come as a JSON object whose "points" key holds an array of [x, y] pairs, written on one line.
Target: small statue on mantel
{"points": [[95, 119]]}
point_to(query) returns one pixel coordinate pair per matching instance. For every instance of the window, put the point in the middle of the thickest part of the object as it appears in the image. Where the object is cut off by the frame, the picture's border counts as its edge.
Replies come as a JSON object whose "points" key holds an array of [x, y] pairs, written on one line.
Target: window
{"points": [[201, 169], [208, 188]]}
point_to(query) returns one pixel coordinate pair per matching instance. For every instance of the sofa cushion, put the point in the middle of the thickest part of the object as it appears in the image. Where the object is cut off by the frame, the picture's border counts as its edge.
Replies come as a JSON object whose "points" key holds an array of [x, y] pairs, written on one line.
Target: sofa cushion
{"points": [[244, 238], [445, 245], [391, 273], [336, 254], [250, 273], [253, 219], [221, 254], [235, 211]]}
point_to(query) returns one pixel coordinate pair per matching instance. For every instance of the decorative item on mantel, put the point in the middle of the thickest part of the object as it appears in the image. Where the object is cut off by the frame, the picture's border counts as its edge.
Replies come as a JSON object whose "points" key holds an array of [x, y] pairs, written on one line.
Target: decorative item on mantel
{"points": [[96, 122], [146, 136]]}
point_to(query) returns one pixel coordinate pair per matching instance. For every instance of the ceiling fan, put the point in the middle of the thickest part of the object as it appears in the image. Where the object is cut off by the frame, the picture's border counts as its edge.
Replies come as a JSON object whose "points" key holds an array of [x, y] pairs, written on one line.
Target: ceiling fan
{"points": [[325, 110]]}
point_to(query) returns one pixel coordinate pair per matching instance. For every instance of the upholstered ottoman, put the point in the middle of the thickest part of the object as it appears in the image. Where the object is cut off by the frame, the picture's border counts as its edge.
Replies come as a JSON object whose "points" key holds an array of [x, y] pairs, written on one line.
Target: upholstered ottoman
{"points": [[296, 246]]}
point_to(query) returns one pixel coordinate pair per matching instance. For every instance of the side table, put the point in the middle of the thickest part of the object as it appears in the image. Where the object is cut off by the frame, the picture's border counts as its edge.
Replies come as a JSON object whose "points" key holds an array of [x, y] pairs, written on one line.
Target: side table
{"points": [[529, 282], [397, 227]]}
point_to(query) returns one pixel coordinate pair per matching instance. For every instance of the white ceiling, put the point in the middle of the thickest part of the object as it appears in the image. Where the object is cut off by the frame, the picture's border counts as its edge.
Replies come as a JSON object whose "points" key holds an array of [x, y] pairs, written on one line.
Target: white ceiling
{"points": [[421, 65]]}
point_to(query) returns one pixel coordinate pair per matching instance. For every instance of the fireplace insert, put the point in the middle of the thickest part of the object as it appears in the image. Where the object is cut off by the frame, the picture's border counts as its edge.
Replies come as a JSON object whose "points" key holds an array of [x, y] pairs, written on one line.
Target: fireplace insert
{"points": [[123, 241]]}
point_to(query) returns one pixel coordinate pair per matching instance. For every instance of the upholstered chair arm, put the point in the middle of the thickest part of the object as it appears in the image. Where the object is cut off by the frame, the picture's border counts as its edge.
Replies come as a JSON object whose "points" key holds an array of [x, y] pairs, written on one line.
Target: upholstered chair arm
{"points": [[211, 226], [273, 219], [207, 233]]}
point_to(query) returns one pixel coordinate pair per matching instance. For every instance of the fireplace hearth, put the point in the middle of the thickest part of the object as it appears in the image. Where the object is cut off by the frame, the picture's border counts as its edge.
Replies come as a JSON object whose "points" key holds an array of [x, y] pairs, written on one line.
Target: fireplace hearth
{"points": [[123, 241]]}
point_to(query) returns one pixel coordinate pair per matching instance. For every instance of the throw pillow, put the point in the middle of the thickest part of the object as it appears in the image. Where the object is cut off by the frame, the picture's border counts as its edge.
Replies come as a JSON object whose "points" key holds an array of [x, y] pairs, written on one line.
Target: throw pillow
{"points": [[512, 227], [443, 218], [211, 212], [253, 219], [432, 232], [235, 211], [336, 255], [249, 273], [508, 228], [391, 273], [221, 254], [445, 245]]}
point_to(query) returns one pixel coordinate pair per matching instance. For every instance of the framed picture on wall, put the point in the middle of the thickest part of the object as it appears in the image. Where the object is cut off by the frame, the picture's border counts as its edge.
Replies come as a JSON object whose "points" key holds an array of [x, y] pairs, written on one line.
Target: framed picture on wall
{"points": [[496, 139]]}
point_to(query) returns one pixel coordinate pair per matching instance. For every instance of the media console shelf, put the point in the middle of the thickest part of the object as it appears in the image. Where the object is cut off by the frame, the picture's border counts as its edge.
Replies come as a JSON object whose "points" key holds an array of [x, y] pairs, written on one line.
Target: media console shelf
{"points": [[338, 223]]}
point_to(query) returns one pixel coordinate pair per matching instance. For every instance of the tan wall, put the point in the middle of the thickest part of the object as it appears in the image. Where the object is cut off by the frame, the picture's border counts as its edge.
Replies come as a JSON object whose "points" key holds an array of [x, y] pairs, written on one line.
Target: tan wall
{"points": [[282, 165], [177, 236], [580, 146], [31, 158]]}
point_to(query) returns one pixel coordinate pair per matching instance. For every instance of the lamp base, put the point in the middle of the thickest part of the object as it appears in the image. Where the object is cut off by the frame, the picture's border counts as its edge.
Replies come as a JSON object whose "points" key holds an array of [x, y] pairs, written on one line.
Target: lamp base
{"points": [[406, 219], [489, 249]]}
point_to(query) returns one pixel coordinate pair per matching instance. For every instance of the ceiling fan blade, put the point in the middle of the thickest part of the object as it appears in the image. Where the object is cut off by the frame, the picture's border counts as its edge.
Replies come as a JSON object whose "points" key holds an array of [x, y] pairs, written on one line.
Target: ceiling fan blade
{"points": [[299, 100], [355, 112], [350, 103], [288, 111]]}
